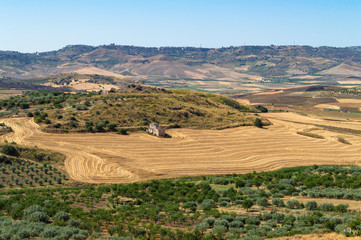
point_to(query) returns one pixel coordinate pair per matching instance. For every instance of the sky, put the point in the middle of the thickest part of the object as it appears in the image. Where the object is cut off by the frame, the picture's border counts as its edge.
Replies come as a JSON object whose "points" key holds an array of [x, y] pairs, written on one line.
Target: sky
{"points": [[45, 25]]}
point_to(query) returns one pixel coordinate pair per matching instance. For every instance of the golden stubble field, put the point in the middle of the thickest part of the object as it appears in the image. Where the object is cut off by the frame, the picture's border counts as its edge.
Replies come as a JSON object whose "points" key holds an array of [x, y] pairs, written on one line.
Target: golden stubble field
{"points": [[112, 158]]}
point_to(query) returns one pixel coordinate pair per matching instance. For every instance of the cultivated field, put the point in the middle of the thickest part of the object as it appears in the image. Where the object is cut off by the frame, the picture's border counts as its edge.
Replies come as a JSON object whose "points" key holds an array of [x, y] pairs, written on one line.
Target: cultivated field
{"points": [[112, 158]]}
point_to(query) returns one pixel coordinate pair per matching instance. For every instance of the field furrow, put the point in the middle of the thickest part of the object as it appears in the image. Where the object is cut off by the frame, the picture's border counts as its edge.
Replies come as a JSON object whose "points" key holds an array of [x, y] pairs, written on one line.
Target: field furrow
{"points": [[112, 158]]}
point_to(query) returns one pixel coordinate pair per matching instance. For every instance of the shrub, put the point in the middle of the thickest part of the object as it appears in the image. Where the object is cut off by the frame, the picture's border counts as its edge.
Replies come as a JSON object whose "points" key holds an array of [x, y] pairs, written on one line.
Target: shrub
{"points": [[209, 221], [61, 216], [224, 204], [228, 218], [9, 150], [278, 202], [38, 119], [312, 205], [207, 204], [219, 229], [122, 131], [263, 201], [47, 121], [221, 222], [258, 123], [201, 227], [236, 224], [37, 217], [253, 221], [326, 207], [341, 208], [190, 204], [293, 204], [261, 108], [24, 105]]}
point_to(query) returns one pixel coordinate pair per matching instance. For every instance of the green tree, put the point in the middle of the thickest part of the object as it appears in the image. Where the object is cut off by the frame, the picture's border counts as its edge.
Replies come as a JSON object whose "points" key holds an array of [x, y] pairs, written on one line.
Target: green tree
{"points": [[9, 150], [258, 123], [122, 131], [247, 204], [311, 205]]}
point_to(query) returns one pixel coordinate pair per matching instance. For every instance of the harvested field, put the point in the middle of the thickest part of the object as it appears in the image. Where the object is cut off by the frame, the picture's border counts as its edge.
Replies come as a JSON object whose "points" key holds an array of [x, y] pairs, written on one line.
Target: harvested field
{"points": [[328, 236], [112, 158]]}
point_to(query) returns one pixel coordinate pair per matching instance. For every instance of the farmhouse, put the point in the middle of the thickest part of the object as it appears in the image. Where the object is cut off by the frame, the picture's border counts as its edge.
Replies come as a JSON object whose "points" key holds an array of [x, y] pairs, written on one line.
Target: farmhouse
{"points": [[156, 129]]}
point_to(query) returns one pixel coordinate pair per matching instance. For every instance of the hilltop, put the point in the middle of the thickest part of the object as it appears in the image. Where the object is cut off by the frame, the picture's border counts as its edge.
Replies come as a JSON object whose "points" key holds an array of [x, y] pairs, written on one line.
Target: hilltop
{"points": [[131, 108], [224, 70]]}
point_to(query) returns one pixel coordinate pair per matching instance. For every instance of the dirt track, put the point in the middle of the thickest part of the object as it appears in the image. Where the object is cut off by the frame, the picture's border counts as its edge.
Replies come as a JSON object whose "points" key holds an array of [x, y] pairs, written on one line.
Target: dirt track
{"points": [[112, 158]]}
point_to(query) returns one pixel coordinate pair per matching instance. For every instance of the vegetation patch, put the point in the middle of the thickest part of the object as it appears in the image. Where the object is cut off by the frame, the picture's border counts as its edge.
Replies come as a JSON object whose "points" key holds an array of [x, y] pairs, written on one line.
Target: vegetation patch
{"points": [[309, 134], [19, 173], [250, 206], [4, 129], [132, 108], [342, 140], [33, 153]]}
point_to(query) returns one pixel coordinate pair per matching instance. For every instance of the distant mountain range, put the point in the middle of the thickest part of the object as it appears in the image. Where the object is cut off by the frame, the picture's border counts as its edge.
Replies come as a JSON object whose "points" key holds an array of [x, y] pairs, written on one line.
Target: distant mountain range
{"points": [[198, 67]]}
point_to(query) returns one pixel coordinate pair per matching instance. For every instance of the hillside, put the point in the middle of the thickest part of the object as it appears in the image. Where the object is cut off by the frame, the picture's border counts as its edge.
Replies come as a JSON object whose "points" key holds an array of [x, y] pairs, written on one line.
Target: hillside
{"points": [[131, 108], [226, 70]]}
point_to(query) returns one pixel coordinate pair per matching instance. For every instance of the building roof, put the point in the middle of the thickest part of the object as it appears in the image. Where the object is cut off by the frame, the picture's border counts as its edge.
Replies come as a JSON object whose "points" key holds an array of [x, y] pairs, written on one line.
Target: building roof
{"points": [[155, 125]]}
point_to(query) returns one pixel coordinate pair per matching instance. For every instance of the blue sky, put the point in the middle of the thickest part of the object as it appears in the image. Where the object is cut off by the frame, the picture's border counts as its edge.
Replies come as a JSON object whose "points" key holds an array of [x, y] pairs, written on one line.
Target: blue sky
{"points": [[44, 25]]}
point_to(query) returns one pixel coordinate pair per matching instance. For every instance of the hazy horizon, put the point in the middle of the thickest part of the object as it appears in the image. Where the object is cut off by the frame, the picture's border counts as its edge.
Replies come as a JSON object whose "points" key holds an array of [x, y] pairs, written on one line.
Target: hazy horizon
{"points": [[79, 44]]}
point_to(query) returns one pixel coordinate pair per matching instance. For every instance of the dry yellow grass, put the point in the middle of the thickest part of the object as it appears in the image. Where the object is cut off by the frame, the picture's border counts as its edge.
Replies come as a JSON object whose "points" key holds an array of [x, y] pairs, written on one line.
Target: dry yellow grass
{"points": [[111, 158], [328, 236]]}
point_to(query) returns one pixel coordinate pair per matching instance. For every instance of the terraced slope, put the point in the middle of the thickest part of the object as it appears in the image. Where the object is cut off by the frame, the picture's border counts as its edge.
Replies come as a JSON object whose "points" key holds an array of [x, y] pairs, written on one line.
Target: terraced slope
{"points": [[111, 158]]}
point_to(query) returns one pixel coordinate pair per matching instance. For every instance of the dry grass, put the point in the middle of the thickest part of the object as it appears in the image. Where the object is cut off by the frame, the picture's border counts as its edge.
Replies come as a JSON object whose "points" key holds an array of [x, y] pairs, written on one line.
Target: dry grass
{"points": [[111, 158], [327, 236]]}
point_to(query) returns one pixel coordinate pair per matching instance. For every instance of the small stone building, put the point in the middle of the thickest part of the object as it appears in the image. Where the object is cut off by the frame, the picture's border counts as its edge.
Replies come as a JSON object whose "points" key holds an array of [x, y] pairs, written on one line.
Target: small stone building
{"points": [[156, 129]]}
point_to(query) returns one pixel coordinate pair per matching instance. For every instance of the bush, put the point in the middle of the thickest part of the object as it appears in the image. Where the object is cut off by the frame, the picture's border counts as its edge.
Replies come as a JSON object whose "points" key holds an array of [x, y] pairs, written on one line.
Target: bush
{"points": [[293, 204], [122, 131], [312, 205], [253, 221], [61, 216], [207, 204], [326, 207], [229, 218], [203, 226], [258, 123], [263, 201], [9, 150], [221, 222], [189, 204], [209, 221], [219, 229], [236, 224], [24, 105], [47, 121], [261, 108], [35, 213], [342, 208], [37, 217], [38, 119], [278, 202]]}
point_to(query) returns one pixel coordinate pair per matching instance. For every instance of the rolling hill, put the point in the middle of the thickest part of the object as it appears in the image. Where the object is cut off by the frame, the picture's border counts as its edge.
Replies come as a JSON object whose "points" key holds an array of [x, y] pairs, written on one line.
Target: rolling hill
{"points": [[224, 70]]}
